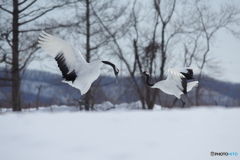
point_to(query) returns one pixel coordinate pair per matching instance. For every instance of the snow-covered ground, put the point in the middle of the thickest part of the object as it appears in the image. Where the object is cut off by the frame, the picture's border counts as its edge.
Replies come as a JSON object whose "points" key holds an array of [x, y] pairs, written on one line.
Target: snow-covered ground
{"points": [[105, 106], [57, 134]]}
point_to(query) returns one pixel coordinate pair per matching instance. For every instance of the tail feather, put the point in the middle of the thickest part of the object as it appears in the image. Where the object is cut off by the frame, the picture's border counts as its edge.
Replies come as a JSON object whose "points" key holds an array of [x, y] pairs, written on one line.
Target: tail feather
{"points": [[190, 85]]}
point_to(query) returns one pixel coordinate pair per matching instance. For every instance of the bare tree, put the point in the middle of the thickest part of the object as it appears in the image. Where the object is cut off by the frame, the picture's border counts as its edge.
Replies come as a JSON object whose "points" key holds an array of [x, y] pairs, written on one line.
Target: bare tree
{"points": [[203, 23], [149, 46], [169, 24], [141, 38], [92, 34], [20, 37]]}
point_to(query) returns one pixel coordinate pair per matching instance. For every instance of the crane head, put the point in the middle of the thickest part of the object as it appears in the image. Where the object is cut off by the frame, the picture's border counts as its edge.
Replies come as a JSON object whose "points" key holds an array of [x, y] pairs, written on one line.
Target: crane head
{"points": [[115, 69]]}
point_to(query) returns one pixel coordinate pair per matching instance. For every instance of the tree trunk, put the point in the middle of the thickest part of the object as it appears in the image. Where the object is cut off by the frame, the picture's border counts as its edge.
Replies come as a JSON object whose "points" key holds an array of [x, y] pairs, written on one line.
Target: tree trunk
{"points": [[151, 97], [38, 95], [88, 94], [163, 52], [16, 81]]}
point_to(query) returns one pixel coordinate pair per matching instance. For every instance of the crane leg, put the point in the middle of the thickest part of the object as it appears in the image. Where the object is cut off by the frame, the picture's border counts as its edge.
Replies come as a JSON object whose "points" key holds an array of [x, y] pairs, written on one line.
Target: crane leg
{"points": [[183, 103]]}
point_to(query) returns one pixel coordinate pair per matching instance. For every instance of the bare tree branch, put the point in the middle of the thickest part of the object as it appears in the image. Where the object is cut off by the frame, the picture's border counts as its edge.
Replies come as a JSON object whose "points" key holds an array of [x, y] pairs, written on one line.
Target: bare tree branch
{"points": [[46, 11], [3, 58], [26, 61], [29, 5], [171, 12], [22, 2], [4, 9]]}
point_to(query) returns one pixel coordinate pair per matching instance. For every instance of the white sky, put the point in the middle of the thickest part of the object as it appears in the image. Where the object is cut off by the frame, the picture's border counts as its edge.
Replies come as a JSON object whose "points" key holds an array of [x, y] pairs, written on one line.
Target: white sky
{"points": [[225, 50]]}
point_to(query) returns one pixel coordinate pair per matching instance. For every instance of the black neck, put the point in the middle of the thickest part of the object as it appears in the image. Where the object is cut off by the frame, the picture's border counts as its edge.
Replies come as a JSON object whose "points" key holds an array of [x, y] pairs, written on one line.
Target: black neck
{"points": [[147, 80], [111, 64]]}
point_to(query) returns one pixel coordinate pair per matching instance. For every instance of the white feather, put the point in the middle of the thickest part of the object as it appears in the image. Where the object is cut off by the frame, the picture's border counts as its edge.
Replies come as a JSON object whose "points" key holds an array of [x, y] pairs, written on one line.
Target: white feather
{"points": [[173, 83], [53, 45], [190, 85], [175, 77], [86, 72]]}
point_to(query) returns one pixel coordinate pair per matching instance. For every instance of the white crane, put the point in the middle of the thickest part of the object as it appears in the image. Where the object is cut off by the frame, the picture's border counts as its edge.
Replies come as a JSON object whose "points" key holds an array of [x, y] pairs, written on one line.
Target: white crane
{"points": [[176, 83], [75, 70]]}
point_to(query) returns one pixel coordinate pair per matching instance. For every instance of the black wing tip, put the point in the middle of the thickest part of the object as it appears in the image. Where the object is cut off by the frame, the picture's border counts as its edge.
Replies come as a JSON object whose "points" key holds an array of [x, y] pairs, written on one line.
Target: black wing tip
{"points": [[64, 69], [189, 74], [190, 70]]}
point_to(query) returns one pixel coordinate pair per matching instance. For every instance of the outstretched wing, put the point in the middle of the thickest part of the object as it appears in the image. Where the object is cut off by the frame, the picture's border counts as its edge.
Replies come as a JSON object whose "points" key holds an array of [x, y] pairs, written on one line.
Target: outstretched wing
{"points": [[69, 59], [180, 80]]}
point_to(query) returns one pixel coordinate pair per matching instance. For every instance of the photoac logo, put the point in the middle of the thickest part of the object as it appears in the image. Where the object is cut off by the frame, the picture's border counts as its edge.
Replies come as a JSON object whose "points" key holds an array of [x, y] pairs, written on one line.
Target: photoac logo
{"points": [[223, 153]]}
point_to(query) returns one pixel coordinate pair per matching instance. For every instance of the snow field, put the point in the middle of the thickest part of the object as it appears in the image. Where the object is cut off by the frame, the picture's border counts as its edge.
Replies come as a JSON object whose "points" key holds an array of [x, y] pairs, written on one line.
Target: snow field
{"points": [[121, 135]]}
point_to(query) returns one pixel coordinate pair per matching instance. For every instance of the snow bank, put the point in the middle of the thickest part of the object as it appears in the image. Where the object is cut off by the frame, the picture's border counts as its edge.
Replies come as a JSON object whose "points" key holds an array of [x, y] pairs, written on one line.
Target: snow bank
{"points": [[105, 106], [120, 135]]}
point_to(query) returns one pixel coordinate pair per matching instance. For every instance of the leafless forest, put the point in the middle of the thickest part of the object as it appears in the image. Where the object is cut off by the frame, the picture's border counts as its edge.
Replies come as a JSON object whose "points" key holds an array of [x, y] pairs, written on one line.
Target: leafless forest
{"points": [[137, 35]]}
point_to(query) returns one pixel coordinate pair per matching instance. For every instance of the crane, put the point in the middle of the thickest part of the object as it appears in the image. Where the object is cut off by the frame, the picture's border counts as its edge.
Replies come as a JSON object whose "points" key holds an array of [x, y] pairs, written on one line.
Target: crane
{"points": [[75, 70], [176, 82]]}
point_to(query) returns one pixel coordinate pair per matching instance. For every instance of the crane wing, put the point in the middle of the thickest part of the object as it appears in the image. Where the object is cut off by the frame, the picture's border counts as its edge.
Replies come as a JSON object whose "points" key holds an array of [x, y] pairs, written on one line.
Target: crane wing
{"points": [[180, 80], [187, 72], [69, 59]]}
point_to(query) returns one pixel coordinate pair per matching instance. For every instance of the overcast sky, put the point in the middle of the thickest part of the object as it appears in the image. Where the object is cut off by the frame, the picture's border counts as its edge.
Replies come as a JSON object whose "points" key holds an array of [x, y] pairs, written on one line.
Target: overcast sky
{"points": [[225, 50]]}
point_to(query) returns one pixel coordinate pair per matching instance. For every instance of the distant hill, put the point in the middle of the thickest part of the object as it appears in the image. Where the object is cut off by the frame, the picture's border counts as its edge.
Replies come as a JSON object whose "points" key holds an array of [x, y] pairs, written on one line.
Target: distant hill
{"points": [[44, 88]]}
